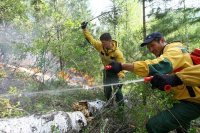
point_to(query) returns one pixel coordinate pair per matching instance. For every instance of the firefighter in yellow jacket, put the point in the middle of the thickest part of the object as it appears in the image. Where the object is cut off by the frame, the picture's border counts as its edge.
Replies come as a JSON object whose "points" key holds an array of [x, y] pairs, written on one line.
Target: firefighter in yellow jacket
{"points": [[108, 51], [169, 58]]}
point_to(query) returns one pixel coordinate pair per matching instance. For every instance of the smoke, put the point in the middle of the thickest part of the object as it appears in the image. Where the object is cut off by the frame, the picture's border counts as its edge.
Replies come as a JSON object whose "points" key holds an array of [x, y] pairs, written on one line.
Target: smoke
{"points": [[10, 40]]}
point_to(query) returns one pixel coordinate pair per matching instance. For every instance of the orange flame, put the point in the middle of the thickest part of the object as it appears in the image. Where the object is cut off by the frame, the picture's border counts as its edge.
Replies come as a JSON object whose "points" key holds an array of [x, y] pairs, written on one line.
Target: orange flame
{"points": [[76, 77]]}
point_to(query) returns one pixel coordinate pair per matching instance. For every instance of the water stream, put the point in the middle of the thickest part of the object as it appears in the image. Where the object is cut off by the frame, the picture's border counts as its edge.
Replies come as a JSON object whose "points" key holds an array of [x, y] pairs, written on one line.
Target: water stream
{"points": [[56, 92]]}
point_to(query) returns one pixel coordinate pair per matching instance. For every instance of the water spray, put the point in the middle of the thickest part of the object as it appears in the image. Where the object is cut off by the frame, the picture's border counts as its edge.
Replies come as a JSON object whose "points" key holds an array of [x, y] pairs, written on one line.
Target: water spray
{"points": [[167, 88], [54, 92]]}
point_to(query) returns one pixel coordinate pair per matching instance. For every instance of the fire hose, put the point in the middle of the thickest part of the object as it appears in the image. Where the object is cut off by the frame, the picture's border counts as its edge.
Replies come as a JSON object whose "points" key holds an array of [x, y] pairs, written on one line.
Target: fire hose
{"points": [[167, 88]]}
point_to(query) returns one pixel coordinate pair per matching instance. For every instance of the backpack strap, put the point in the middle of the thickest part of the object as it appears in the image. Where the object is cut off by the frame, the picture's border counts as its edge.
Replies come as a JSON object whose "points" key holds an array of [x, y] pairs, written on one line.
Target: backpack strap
{"points": [[191, 91]]}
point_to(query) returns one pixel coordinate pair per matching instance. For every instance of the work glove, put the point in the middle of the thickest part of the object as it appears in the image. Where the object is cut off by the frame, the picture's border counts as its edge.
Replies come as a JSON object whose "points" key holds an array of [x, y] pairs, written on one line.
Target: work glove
{"points": [[116, 67], [159, 81], [84, 25]]}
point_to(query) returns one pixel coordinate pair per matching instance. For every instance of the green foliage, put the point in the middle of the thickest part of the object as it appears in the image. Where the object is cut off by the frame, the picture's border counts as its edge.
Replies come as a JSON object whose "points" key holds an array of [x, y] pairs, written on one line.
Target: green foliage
{"points": [[61, 101], [61, 36], [2, 74], [10, 110], [11, 9], [178, 24], [54, 129]]}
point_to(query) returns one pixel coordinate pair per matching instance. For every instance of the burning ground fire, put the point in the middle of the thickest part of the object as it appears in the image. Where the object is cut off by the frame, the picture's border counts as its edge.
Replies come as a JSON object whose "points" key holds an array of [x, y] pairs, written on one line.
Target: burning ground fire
{"points": [[71, 76], [74, 77]]}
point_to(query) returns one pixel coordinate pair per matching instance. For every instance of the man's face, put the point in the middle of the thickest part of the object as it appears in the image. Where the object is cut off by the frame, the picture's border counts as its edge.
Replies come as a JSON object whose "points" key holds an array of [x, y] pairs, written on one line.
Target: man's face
{"points": [[106, 44], [156, 47]]}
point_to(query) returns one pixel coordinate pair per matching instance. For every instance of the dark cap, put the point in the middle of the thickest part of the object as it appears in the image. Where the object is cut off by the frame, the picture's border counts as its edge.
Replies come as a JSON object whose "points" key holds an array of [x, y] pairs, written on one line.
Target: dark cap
{"points": [[151, 37]]}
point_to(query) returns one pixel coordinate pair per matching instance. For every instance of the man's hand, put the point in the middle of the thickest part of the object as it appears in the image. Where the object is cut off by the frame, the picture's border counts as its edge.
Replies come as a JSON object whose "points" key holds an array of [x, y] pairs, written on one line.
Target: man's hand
{"points": [[84, 25], [159, 81], [116, 67]]}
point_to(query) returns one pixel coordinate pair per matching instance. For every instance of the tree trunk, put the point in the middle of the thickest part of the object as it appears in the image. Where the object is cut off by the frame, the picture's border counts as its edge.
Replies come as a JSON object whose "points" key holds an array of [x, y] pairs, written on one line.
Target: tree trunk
{"points": [[63, 122], [144, 19]]}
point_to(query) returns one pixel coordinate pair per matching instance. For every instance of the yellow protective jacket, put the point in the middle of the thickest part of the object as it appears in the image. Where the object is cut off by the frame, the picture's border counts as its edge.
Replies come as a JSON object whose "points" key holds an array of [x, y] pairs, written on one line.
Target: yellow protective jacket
{"points": [[106, 56], [190, 76], [174, 57]]}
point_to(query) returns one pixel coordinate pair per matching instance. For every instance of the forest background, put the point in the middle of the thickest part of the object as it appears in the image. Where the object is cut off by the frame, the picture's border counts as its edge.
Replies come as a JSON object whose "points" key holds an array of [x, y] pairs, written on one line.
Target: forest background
{"points": [[46, 34]]}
